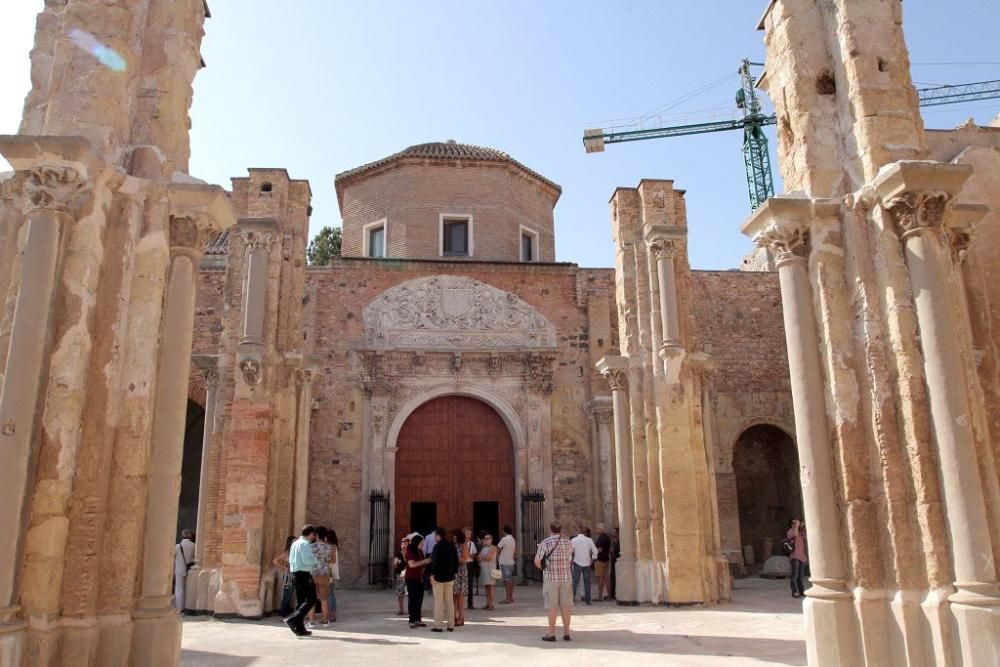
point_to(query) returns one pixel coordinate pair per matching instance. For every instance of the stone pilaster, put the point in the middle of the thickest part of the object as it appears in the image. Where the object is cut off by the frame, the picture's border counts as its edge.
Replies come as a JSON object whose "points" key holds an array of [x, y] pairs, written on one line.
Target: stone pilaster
{"points": [[918, 196], [55, 193], [782, 224], [193, 582], [157, 622], [303, 416], [615, 371], [602, 459]]}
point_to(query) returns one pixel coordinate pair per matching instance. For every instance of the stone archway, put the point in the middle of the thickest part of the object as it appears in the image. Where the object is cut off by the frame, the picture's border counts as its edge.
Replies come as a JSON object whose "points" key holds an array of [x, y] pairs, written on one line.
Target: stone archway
{"points": [[766, 469], [194, 434], [455, 466]]}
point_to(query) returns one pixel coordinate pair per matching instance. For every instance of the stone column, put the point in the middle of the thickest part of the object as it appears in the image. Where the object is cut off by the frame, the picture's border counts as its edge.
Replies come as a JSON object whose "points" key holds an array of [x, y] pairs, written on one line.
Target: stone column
{"points": [[303, 380], [157, 625], [615, 371], [782, 224], [663, 246], [601, 412], [54, 193], [194, 574], [917, 197]]}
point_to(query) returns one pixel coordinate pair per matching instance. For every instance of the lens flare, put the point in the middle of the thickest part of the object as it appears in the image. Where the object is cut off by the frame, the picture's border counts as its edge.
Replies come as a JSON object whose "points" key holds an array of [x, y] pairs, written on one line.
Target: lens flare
{"points": [[104, 54]]}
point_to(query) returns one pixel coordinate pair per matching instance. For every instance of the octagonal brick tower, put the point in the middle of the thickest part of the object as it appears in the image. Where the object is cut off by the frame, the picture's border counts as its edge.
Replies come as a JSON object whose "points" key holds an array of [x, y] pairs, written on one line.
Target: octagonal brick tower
{"points": [[451, 200]]}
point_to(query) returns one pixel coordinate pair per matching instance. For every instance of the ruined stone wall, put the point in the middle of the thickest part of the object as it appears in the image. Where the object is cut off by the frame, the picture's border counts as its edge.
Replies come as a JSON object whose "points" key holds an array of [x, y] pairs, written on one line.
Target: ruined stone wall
{"points": [[738, 320], [412, 196], [334, 332]]}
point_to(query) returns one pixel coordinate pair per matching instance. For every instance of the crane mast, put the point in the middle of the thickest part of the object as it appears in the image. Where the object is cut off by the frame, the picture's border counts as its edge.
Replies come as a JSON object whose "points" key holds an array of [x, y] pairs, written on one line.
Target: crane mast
{"points": [[755, 153]]}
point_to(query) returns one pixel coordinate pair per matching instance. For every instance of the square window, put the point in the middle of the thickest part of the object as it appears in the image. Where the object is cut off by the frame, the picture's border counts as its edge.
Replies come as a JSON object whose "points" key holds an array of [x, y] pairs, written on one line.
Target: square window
{"points": [[376, 242], [455, 237]]}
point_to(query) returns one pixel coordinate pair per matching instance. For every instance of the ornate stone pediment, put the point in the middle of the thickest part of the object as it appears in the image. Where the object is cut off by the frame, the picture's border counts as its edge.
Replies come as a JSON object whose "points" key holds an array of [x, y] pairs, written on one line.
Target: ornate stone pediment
{"points": [[454, 312]]}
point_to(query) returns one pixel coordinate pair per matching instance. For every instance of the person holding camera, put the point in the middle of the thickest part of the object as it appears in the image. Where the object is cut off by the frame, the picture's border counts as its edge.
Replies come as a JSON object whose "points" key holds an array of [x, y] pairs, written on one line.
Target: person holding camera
{"points": [[555, 558], [797, 535]]}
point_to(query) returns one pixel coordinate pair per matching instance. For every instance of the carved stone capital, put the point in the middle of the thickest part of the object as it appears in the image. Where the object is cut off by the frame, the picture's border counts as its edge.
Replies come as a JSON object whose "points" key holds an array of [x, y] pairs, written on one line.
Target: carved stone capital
{"points": [[663, 249], [302, 377], [254, 240], [915, 212], [191, 232], [617, 378], [786, 242], [54, 188], [211, 377], [958, 241]]}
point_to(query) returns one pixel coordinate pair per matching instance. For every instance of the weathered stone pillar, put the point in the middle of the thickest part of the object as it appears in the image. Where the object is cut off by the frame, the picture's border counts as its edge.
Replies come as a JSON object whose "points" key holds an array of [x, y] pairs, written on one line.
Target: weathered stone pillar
{"points": [[157, 625], [782, 224], [917, 196], [54, 194], [601, 412], [615, 371]]}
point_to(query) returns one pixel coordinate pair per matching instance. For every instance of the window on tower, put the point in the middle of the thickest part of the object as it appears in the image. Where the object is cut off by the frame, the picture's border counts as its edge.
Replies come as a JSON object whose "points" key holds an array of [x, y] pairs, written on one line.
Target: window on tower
{"points": [[455, 237]]}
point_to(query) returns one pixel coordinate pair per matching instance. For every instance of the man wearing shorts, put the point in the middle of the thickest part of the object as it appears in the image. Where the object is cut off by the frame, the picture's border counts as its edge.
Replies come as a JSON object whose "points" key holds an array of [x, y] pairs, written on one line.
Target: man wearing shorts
{"points": [[555, 558], [508, 548]]}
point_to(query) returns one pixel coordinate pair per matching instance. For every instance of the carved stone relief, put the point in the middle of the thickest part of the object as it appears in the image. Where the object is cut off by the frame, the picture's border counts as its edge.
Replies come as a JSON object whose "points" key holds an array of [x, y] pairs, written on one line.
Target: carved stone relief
{"points": [[454, 312]]}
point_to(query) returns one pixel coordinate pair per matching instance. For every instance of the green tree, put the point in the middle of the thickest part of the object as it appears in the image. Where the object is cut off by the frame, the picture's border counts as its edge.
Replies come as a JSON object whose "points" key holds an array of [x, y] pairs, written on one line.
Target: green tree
{"points": [[324, 246]]}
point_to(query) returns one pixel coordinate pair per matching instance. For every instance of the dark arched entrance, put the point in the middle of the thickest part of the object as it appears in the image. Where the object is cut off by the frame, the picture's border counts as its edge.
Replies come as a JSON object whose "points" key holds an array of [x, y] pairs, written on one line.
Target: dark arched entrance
{"points": [[766, 466], [454, 468], [194, 433]]}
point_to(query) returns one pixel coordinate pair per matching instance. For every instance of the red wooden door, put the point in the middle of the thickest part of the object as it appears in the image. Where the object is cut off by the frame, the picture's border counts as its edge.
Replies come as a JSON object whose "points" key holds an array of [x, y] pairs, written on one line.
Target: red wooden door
{"points": [[454, 451]]}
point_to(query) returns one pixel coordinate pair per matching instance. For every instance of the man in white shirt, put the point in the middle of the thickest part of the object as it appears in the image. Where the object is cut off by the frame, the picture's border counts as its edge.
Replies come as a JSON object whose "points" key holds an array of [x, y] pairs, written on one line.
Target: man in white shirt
{"points": [[183, 560], [506, 561], [584, 553], [430, 541]]}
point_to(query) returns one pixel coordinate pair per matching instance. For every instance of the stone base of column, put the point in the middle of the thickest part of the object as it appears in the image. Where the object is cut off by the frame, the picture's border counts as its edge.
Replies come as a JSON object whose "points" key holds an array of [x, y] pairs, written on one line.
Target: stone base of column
{"points": [[200, 591], [939, 627], [724, 582], [156, 638], [625, 582], [115, 640], [79, 643], [915, 647], [672, 353], [976, 609], [650, 582], [12, 638], [877, 628], [229, 603], [831, 626]]}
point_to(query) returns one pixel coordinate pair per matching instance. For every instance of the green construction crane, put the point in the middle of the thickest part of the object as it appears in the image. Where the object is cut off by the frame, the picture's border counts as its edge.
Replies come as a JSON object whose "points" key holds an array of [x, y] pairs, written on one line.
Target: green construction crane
{"points": [[755, 153]]}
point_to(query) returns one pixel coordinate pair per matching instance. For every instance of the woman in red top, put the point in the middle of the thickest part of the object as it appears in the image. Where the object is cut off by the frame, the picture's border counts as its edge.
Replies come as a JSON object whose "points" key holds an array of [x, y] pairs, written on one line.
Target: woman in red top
{"points": [[414, 577], [798, 557]]}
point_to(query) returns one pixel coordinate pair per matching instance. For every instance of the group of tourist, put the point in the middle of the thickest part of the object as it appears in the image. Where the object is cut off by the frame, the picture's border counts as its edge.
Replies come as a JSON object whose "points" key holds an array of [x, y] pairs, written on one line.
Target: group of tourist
{"points": [[312, 570], [447, 563]]}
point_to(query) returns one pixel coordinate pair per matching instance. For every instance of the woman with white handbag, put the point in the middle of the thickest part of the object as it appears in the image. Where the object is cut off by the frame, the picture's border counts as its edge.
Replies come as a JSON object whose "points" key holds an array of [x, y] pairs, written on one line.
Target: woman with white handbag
{"points": [[489, 573]]}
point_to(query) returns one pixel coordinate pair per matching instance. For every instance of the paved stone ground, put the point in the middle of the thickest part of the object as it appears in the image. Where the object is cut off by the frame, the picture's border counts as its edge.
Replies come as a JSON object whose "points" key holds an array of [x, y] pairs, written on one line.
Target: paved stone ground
{"points": [[763, 626]]}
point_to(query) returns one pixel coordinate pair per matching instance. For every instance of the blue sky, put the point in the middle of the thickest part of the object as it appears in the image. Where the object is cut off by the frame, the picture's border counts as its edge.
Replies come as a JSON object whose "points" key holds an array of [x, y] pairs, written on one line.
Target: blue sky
{"points": [[322, 86]]}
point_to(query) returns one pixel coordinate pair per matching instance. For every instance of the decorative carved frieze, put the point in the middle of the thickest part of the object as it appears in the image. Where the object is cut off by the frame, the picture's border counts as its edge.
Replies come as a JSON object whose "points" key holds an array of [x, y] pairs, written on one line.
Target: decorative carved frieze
{"points": [[454, 312], [786, 242], [538, 373], [55, 188], [958, 241], [913, 212]]}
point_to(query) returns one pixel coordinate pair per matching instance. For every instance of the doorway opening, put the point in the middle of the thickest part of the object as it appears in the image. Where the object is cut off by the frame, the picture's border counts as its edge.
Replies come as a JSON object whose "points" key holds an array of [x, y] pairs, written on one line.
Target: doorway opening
{"points": [[194, 434], [423, 517], [766, 467], [486, 516]]}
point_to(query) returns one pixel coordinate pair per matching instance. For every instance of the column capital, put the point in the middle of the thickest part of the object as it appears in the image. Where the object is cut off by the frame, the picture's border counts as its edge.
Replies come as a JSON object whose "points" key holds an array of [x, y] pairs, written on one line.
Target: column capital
{"points": [[211, 376], [254, 240], [704, 365], [600, 409], [662, 248], [614, 368], [781, 225], [789, 243], [59, 188], [918, 195], [190, 232]]}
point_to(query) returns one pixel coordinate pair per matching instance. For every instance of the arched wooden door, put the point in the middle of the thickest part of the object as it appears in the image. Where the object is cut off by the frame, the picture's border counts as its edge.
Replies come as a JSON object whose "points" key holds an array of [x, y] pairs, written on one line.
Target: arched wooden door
{"points": [[454, 468]]}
